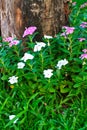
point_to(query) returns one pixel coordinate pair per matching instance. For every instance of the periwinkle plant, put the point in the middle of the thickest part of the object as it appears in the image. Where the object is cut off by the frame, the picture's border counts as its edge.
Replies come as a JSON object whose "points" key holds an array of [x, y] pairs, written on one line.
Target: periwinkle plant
{"points": [[51, 64]]}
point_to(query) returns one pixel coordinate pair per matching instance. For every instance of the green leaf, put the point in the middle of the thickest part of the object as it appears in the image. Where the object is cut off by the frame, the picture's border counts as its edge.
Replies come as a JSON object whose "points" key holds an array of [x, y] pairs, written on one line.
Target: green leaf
{"points": [[4, 77], [77, 85], [64, 89], [51, 89]]}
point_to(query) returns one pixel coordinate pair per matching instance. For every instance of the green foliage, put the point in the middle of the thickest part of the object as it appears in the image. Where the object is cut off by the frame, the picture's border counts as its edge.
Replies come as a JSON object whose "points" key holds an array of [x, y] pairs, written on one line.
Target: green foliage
{"points": [[46, 93]]}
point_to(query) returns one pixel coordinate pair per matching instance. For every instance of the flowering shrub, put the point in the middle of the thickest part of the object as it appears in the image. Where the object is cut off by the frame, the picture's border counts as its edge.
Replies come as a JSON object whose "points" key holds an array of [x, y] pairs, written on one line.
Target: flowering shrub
{"points": [[44, 87], [54, 64]]}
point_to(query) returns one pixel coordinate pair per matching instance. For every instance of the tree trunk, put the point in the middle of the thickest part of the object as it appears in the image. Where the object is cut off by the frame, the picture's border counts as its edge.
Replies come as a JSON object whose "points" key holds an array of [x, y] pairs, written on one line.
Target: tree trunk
{"points": [[47, 15]]}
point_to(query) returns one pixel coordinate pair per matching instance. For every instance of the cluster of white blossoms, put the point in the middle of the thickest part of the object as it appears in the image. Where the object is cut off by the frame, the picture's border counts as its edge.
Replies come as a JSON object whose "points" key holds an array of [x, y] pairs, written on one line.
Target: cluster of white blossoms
{"points": [[27, 56], [13, 79], [12, 117], [20, 65], [39, 46], [61, 63], [48, 73]]}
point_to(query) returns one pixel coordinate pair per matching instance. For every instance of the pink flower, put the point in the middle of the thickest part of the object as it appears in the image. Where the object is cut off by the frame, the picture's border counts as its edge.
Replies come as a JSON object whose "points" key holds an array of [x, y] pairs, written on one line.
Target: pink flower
{"points": [[63, 34], [29, 31], [81, 39], [83, 24], [14, 42], [84, 50], [83, 5], [83, 56], [8, 39], [69, 30]]}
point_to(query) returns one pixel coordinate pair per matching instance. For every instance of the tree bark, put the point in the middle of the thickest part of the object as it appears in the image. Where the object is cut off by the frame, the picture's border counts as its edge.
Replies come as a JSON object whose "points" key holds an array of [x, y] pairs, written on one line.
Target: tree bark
{"points": [[47, 15]]}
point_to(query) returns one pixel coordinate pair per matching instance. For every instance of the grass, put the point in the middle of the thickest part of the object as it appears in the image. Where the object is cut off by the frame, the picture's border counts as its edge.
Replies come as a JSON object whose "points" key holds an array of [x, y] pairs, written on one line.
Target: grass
{"points": [[42, 113], [37, 111]]}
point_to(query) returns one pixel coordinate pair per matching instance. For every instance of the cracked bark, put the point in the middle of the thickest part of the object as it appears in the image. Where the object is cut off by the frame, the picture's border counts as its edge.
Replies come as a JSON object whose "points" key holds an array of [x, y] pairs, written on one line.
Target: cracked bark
{"points": [[15, 15]]}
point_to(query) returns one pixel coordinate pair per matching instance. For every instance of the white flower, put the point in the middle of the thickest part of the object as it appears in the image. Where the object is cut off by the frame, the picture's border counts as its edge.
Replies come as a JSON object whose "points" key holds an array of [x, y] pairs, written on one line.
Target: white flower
{"points": [[39, 46], [65, 62], [61, 63], [48, 37], [13, 116], [27, 56], [13, 79], [42, 44], [21, 65], [48, 73]]}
